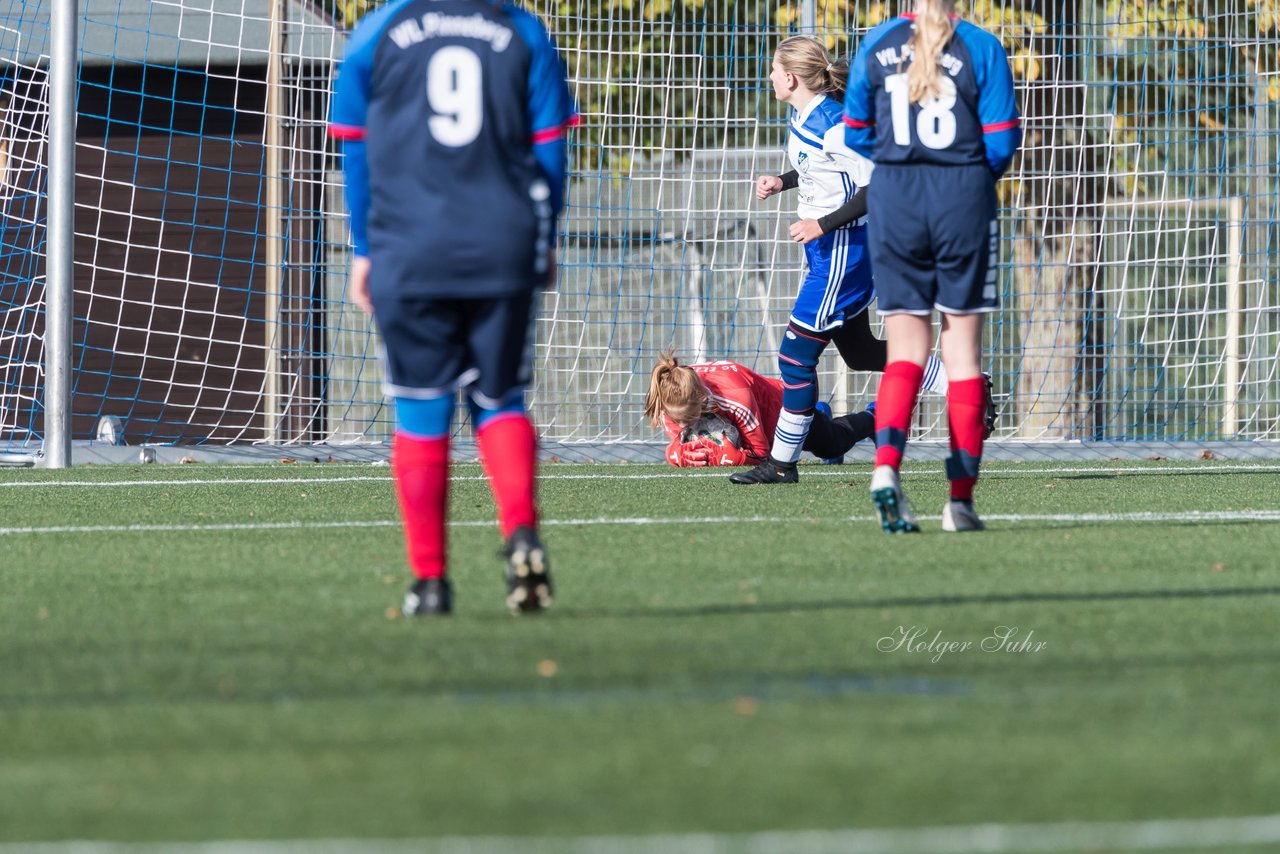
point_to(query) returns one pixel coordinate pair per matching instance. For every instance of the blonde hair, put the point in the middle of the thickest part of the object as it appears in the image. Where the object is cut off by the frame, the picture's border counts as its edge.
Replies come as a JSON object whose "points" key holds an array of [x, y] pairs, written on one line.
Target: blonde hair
{"points": [[674, 387], [933, 30], [807, 59]]}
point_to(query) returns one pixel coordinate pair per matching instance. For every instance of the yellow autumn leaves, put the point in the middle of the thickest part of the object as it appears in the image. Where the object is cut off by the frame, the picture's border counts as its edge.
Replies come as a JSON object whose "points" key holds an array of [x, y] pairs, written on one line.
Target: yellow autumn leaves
{"points": [[350, 11], [1017, 26]]}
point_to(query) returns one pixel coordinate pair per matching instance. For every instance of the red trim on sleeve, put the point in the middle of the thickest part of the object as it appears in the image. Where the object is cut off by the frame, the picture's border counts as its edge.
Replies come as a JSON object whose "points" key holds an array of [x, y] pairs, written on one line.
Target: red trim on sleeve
{"points": [[548, 134], [346, 132], [859, 123], [999, 126]]}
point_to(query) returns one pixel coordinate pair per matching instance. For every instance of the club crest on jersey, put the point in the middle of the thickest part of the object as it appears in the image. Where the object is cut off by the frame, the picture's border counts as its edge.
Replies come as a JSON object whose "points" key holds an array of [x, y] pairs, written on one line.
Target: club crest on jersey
{"points": [[802, 162]]}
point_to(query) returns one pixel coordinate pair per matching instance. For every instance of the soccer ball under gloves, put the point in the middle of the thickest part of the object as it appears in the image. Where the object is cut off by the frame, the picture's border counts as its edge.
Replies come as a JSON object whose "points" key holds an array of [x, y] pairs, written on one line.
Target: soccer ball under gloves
{"points": [[711, 427], [711, 441]]}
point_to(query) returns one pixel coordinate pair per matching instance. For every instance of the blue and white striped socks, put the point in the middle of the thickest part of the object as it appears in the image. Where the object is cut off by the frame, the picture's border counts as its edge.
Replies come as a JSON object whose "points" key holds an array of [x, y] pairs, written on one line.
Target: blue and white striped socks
{"points": [[935, 376], [788, 439]]}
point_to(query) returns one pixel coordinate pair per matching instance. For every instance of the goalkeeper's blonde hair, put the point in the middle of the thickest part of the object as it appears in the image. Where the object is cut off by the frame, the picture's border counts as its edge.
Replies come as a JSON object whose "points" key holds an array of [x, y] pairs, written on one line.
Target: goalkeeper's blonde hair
{"points": [[931, 34], [675, 389]]}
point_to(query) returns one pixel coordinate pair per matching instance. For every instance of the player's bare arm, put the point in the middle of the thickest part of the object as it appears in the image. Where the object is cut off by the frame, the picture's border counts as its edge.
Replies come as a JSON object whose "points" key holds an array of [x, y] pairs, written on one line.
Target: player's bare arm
{"points": [[358, 285], [805, 230], [768, 185], [777, 183]]}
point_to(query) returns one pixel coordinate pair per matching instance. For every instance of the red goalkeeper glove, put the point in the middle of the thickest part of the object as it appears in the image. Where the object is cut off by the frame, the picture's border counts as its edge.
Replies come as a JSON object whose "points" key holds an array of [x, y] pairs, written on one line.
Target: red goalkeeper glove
{"points": [[685, 454], [721, 452], [712, 450]]}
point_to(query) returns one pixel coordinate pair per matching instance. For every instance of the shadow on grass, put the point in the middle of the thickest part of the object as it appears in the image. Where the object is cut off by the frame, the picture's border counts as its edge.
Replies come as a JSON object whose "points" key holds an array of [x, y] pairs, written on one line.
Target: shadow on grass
{"points": [[731, 609]]}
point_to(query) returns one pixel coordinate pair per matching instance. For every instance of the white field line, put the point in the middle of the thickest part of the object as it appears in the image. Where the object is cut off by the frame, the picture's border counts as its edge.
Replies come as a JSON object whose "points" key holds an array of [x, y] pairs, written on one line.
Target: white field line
{"points": [[241, 481], [546, 474], [1073, 837], [1132, 518]]}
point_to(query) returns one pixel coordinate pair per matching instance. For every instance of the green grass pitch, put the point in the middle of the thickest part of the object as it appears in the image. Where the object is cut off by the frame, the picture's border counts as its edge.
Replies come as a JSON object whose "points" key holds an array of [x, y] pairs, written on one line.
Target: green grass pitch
{"points": [[208, 653]]}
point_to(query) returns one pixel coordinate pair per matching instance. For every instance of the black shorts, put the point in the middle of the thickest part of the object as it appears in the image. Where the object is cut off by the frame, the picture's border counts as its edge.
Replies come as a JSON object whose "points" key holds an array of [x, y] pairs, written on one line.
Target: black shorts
{"points": [[933, 238], [434, 346]]}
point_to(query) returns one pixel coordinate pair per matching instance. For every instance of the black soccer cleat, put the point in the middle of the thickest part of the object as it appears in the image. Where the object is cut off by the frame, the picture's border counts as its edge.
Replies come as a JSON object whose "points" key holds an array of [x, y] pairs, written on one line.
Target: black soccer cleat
{"points": [[769, 471], [528, 573], [428, 597], [989, 413]]}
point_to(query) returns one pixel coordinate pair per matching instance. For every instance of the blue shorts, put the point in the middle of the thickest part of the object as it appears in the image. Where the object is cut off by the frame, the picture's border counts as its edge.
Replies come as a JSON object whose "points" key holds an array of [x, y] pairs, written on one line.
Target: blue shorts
{"points": [[837, 285], [433, 346], [934, 238]]}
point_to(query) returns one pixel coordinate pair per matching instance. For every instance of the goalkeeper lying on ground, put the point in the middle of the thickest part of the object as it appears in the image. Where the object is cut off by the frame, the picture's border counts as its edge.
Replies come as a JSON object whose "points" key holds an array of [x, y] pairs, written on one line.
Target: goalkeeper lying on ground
{"points": [[723, 414]]}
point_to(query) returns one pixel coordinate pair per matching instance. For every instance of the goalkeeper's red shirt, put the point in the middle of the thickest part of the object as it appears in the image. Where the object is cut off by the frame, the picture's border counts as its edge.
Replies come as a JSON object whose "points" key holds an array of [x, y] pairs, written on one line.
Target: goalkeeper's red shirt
{"points": [[750, 401]]}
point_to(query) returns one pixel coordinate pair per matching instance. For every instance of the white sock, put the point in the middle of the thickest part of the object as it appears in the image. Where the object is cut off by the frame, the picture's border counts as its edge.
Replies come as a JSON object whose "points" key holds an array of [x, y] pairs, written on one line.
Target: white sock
{"points": [[935, 376], [788, 439]]}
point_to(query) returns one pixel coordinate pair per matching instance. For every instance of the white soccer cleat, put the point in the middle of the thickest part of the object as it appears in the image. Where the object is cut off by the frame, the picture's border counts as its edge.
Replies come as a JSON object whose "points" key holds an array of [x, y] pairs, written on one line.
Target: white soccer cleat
{"points": [[960, 516], [895, 511]]}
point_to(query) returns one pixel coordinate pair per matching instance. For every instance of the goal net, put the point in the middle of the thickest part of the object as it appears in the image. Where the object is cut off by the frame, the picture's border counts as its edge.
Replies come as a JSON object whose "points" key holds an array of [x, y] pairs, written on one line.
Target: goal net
{"points": [[1138, 268]]}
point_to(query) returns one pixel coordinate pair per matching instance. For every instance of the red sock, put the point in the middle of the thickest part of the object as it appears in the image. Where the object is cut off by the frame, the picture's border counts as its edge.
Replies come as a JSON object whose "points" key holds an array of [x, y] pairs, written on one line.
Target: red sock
{"points": [[421, 469], [895, 403], [966, 405], [510, 451]]}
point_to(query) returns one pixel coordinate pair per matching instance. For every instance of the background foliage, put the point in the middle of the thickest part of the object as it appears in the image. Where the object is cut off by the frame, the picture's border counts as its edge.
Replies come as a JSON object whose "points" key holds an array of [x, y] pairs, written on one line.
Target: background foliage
{"points": [[1147, 65]]}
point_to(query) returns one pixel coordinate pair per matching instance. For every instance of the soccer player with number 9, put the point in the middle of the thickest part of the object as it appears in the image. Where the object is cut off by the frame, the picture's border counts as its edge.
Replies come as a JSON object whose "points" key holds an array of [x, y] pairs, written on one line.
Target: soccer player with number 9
{"points": [[931, 101], [453, 115]]}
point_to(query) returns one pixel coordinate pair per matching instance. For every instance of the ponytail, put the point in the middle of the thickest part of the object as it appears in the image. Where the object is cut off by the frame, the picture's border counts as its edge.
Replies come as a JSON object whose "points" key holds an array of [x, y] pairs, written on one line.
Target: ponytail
{"points": [[837, 75], [674, 387], [807, 59], [933, 30]]}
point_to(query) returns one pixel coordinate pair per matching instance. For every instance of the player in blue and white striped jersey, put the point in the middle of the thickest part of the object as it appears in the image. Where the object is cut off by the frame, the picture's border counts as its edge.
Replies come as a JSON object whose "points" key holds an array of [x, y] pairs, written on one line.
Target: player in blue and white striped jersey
{"points": [[931, 100], [831, 307]]}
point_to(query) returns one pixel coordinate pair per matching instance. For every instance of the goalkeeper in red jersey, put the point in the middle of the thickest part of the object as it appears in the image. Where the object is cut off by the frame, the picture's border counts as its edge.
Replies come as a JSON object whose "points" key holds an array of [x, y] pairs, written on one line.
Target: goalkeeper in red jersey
{"points": [[724, 414]]}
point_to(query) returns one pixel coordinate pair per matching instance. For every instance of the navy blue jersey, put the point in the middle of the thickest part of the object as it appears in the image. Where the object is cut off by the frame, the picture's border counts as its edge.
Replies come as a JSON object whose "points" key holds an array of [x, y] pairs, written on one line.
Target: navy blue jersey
{"points": [[446, 105], [973, 120]]}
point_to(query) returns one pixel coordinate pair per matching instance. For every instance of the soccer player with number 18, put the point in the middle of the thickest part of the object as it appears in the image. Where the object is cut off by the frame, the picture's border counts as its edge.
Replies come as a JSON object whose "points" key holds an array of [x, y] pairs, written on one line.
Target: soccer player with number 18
{"points": [[453, 115], [931, 101]]}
